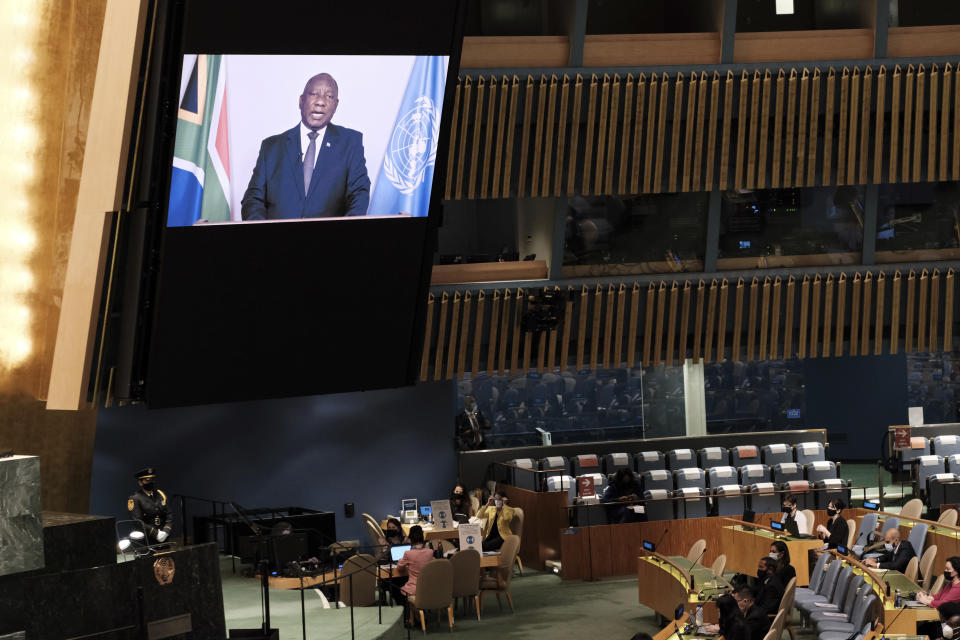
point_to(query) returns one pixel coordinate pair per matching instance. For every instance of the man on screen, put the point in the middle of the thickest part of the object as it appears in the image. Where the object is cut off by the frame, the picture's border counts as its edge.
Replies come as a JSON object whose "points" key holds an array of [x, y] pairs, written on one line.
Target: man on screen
{"points": [[315, 170]]}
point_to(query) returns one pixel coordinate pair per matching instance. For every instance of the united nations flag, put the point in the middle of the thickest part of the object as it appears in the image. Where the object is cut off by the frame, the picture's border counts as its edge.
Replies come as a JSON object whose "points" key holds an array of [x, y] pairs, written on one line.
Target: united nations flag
{"points": [[406, 176]]}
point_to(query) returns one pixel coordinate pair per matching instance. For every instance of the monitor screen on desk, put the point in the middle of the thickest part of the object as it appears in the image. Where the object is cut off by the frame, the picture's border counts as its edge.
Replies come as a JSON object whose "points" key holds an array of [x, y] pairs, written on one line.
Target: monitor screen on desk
{"points": [[397, 552], [776, 525], [870, 504], [408, 504], [426, 511], [649, 546]]}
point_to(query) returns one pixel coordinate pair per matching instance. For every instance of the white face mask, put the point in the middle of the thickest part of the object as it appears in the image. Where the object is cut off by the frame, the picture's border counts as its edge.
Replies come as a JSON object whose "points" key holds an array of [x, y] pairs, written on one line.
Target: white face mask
{"points": [[498, 503], [947, 630], [888, 546], [774, 555]]}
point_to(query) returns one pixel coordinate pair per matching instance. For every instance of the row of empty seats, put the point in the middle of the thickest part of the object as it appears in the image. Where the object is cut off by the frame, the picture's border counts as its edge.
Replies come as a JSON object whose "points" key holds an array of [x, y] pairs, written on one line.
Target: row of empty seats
{"points": [[943, 446]]}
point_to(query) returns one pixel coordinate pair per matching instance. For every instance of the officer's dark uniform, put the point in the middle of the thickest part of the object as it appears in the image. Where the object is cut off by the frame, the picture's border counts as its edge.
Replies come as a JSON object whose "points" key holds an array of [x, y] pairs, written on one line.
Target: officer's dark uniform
{"points": [[150, 509]]}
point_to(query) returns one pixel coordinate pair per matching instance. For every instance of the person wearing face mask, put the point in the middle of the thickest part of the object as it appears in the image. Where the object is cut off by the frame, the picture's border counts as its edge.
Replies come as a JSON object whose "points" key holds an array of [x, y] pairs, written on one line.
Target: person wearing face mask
{"points": [[896, 553], [769, 588], [497, 517], [624, 488], [779, 552], [949, 621], [835, 532], [393, 534], [951, 586], [758, 622], [149, 506], [791, 515], [460, 504]]}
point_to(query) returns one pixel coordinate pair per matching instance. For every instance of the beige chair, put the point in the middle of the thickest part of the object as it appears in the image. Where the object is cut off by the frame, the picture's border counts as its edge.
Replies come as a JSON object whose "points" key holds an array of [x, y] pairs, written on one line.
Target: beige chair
{"points": [[517, 527], [912, 568], [466, 578], [499, 581], [912, 509], [696, 550], [926, 566], [475, 501], [852, 532], [358, 581], [938, 584], [776, 627], [719, 564], [786, 608], [948, 518], [375, 533], [434, 591], [811, 521]]}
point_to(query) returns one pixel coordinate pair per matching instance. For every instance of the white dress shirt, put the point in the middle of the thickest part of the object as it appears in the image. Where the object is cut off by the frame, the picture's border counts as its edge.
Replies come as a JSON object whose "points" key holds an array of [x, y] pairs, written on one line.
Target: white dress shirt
{"points": [[305, 141]]}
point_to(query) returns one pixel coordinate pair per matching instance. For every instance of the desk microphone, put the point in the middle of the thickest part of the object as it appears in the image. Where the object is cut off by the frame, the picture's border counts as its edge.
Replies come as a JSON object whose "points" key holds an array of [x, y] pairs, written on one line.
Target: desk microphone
{"points": [[886, 627], [882, 575], [695, 564], [662, 536]]}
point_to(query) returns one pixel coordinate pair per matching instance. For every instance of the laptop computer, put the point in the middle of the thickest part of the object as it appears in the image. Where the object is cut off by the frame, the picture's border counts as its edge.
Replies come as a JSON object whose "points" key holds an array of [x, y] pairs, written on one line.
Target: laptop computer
{"points": [[397, 552]]}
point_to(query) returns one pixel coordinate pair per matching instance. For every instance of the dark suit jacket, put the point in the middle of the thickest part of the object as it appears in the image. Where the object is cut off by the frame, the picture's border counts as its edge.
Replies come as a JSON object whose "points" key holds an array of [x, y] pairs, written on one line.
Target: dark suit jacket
{"points": [[758, 622], [339, 186], [769, 594], [898, 558], [838, 532]]}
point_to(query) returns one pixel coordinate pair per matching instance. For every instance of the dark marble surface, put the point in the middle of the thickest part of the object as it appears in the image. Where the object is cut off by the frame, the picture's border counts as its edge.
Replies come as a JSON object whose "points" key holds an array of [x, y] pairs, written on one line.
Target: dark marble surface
{"points": [[20, 530], [74, 541], [91, 600]]}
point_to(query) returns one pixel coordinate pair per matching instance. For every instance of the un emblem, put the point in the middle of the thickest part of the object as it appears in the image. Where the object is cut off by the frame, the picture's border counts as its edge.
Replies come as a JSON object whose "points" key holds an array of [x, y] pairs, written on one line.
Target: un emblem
{"points": [[413, 146]]}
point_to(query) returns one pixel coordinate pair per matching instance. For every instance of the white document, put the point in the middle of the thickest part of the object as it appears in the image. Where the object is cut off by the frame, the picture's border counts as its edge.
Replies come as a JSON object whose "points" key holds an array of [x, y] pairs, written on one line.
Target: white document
{"points": [[915, 415], [442, 516], [470, 537]]}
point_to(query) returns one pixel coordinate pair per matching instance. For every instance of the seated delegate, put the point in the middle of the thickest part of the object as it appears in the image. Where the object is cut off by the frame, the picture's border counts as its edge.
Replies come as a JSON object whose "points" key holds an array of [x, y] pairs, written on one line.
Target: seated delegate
{"points": [[896, 554], [497, 517], [414, 559], [758, 622], [393, 534], [769, 588], [792, 515], [951, 586], [781, 555], [835, 532], [624, 488], [460, 503]]}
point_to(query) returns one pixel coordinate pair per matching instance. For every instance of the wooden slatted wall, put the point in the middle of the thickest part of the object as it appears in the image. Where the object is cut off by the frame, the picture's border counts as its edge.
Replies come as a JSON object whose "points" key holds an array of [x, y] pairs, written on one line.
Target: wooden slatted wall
{"points": [[601, 134], [816, 315]]}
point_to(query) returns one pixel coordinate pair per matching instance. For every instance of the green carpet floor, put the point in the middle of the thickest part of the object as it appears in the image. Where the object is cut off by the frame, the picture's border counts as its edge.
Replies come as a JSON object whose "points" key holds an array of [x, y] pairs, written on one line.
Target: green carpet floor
{"points": [[546, 605]]}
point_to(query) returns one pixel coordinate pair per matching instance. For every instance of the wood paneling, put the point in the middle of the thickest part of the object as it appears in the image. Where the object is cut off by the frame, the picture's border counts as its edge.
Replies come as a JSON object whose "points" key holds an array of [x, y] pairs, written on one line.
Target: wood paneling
{"points": [[778, 46], [545, 516], [915, 42], [651, 49], [489, 52]]}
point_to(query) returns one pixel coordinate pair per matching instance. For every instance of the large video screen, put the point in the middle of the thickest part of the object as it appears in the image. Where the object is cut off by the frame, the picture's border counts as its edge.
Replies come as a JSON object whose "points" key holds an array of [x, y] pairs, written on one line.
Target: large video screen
{"points": [[287, 137]]}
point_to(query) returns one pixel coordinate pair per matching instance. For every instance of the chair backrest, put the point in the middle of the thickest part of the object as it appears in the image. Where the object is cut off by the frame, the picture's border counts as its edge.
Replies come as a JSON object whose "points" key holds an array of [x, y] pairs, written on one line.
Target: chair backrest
{"points": [[362, 570], [945, 446], [714, 457], [843, 582], [807, 452], [816, 577], [744, 455], [912, 568], [754, 473], [717, 476], [719, 564], [926, 566], [789, 592], [696, 550], [868, 524], [613, 462], [681, 458], [777, 453], [811, 519], [517, 525], [787, 471], [820, 470], [689, 477], [852, 531], [912, 509], [948, 518], [555, 466], [918, 537], [892, 522], [374, 531], [829, 582], [648, 460], [853, 590], [952, 463], [862, 609], [508, 556], [776, 627], [657, 479], [435, 585], [938, 584], [466, 573]]}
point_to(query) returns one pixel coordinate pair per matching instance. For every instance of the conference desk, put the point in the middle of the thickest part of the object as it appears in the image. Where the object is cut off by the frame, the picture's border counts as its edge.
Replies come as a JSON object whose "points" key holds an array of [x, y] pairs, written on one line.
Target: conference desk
{"points": [[670, 632], [665, 582], [744, 548], [384, 572], [946, 538], [429, 533]]}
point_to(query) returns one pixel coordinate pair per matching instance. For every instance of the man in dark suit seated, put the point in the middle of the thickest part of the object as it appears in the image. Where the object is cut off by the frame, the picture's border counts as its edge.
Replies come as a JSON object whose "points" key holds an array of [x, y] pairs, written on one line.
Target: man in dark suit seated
{"points": [[758, 622], [315, 170], [768, 587], [896, 555]]}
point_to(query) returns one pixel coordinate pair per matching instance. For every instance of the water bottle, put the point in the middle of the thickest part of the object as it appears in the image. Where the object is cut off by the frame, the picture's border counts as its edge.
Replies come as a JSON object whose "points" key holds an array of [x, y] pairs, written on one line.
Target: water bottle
{"points": [[897, 600], [698, 618]]}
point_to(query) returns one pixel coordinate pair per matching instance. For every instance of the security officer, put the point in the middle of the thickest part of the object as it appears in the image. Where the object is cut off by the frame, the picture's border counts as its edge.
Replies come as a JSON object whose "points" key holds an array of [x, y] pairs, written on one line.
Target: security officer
{"points": [[149, 506]]}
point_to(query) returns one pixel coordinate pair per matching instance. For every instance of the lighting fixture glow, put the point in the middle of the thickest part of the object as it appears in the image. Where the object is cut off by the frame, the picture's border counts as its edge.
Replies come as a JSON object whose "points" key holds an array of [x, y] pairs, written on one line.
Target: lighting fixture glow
{"points": [[784, 7], [20, 146]]}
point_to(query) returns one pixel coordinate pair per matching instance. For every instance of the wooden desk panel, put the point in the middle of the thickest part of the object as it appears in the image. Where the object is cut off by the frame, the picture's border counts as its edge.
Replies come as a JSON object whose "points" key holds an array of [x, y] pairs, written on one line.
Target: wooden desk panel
{"points": [[745, 548], [658, 588], [329, 577]]}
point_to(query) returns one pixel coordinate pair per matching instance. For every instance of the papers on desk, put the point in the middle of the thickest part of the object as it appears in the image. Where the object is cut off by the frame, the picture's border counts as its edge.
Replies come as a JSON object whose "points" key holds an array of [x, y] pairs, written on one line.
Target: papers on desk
{"points": [[638, 508], [913, 604]]}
